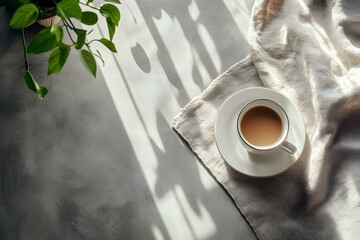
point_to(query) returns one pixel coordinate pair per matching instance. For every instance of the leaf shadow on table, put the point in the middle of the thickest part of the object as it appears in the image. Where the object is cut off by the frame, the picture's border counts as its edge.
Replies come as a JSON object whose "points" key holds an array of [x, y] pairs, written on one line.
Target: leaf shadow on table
{"points": [[141, 58], [222, 33]]}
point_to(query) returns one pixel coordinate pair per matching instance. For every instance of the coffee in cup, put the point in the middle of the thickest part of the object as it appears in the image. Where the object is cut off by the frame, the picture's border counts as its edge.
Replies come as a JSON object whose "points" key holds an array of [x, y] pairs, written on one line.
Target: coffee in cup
{"points": [[263, 126]]}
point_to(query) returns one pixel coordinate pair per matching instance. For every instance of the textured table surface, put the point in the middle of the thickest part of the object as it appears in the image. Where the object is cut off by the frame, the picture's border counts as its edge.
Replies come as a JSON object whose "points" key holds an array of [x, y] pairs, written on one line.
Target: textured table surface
{"points": [[97, 158]]}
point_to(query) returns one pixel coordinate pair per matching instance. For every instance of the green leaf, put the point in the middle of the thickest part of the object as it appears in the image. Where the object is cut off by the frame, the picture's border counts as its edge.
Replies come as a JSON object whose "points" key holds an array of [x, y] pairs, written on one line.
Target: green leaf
{"points": [[34, 86], [44, 41], [69, 8], [111, 28], [30, 81], [110, 45], [89, 18], [111, 12], [81, 35], [58, 58], [41, 92], [24, 16], [113, 1], [89, 61], [58, 32], [64, 53]]}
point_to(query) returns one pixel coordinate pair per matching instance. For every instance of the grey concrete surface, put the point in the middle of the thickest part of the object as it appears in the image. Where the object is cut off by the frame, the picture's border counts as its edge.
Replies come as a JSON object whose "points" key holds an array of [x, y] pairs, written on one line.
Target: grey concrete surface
{"points": [[97, 158]]}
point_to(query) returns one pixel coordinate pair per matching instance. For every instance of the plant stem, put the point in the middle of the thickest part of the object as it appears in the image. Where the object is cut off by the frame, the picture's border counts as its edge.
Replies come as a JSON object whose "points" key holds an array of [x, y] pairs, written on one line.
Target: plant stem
{"points": [[96, 55], [88, 47], [72, 24], [67, 24], [67, 30], [27, 67], [89, 6]]}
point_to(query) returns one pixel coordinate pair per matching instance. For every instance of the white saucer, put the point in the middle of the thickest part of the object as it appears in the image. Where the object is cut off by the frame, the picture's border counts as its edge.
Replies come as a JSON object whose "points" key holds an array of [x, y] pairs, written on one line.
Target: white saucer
{"points": [[233, 151]]}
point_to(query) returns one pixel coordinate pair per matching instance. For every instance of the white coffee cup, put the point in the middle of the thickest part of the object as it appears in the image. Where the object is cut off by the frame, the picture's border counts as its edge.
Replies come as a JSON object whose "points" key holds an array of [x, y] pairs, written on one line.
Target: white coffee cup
{"points": [[280, 142]]}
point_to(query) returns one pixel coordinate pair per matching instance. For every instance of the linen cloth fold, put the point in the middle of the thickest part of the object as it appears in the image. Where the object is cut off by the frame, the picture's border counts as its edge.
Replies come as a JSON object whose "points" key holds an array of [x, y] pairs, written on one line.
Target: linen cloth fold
{"points": [[308, 51]]}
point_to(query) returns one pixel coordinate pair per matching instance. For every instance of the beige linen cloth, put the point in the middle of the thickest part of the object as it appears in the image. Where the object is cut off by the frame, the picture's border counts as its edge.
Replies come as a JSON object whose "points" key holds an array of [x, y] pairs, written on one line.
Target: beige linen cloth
{"points": [[307, 51]]}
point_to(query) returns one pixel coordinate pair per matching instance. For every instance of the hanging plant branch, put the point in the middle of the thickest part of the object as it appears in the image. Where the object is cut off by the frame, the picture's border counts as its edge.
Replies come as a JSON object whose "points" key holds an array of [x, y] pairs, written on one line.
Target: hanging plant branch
{"points": [[68, 32], [51, 37], [27, 66], [28, 77]]}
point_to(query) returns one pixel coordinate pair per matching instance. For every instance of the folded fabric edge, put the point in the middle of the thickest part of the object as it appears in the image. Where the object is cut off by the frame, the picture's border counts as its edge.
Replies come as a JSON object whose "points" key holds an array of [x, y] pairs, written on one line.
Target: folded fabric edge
{"points": [[244, 61]]}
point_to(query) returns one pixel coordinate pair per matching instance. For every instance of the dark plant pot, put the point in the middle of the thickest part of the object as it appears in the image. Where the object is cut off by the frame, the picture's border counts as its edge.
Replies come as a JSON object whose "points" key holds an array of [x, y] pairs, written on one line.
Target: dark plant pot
{"points": [[45, 3], [47, 15]]}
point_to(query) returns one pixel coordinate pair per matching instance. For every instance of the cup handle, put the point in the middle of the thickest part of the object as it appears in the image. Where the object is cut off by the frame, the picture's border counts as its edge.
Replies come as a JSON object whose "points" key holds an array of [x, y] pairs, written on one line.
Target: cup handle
{"points": [[288, 147]]}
